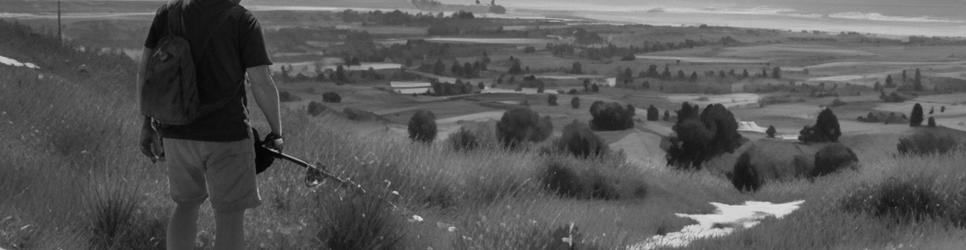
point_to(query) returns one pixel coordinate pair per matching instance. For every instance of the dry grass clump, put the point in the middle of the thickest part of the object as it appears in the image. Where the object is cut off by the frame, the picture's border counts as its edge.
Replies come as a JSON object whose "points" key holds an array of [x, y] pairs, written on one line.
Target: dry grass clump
{"points": [[356, 222]]}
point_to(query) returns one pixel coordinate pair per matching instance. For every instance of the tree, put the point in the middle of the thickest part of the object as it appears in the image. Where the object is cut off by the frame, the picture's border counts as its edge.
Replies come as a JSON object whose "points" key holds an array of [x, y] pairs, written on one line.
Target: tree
{"points": [[340, 75], [667, 115], [422, 126], [667, 73], [653, 114], [889, 83], [681, 75], [611, 116], [577, 68], [552, 100], [699, 138], [932, 122], [520, 125], [575, 102], [826, 129], [744, 74], [595, 88], [439, 68], [917, 81], [776, 72], [916, 118], [771, 131], [579, 140], [628, 75], [515, 68], [652, 71], [457, 69], [694, 76]]}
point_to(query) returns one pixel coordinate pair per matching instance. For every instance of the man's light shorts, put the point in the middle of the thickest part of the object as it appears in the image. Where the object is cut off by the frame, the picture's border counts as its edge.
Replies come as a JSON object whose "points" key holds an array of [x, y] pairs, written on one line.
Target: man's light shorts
{"points": [[225, 170]]}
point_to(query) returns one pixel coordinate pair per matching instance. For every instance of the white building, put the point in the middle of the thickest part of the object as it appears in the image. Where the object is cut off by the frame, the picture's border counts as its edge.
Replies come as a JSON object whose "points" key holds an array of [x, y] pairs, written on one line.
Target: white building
{"points": [[407, 87]]}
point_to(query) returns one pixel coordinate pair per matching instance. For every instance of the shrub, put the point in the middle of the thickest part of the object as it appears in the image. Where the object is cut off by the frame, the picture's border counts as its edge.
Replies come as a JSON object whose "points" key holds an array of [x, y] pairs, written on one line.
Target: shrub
{"points": [[316, 108], [331, 97], [422, 126], [771, 131], [837, 102], [667, 115], [285, 96], [926, 142], [575, 102], [591, 179], [360, 115], [833, 158], [932, 122], [464, 140], [611, 116], [580, 141], [522, 124], [357, 222], [826, 129], [552, 100], [915, 118], [700, 138], [653, 114], [901, 200]]}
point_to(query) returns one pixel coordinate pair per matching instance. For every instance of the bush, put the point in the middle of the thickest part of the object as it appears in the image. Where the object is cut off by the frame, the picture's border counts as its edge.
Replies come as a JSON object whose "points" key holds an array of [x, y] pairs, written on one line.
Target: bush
{"points": [[826, 129], [331, 97], [285, 96], [591, 179], [837, 102], [580, 141], [360, 115], [552, 100], [667, 115], [700, 138], [653, 114], [575, 102], [771, 131], [522, 124], [932, 122], [464, 140], [833, 158], [357, 222], [901, 200], [422, 126], [316, 108], [611, 116], [915, 119], [926, 142]]}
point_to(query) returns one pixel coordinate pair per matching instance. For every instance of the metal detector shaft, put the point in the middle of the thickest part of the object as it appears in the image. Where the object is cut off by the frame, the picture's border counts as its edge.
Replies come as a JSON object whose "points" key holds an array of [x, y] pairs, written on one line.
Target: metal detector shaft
{"points": [[314, 170]]}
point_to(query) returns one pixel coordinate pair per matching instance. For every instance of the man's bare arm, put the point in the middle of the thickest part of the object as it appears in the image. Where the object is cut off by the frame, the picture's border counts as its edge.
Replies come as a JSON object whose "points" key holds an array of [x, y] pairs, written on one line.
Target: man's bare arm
{"points": [[142, 67], [266, 95]]}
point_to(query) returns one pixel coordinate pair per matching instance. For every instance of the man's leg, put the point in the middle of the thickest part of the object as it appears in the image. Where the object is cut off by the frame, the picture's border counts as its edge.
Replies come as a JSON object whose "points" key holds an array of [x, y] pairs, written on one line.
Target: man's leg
{"points": [[229, 230], [231, 179], [187, 184], [183, 227]]}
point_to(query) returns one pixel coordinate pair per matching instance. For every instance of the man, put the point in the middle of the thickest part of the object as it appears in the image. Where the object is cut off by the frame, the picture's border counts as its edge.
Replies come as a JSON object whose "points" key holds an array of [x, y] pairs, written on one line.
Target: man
{"points": [[213, 155]]}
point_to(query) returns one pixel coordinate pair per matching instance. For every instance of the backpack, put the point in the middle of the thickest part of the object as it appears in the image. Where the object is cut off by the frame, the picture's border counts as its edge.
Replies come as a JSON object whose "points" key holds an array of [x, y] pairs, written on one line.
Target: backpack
{"points": [[169, 94]]}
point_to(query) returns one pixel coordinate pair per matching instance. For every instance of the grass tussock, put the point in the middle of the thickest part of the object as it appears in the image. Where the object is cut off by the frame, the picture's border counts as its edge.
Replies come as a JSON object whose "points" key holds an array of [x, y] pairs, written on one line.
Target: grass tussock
{"points": [[927, 142], [118, 222], [357, 222], [908, 200]]}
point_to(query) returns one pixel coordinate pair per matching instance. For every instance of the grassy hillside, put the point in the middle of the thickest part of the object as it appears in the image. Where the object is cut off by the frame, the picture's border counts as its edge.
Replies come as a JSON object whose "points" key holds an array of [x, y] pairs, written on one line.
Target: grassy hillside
{"points": [[71, 177]]}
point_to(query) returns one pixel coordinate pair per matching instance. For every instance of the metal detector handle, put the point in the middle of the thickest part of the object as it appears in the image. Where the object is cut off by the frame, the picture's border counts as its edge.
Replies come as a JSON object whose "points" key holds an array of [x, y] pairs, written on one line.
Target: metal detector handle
{"points": [[290, 158]]}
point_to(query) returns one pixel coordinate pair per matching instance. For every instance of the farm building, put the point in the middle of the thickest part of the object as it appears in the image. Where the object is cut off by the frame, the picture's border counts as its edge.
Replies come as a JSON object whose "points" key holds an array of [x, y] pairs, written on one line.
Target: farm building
{"points": [[406, 87]]}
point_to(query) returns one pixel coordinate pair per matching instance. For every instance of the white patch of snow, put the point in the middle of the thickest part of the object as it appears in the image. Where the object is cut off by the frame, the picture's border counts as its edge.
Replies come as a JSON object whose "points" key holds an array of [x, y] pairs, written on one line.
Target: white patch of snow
{"points": [[13, 62], [725, 220]]}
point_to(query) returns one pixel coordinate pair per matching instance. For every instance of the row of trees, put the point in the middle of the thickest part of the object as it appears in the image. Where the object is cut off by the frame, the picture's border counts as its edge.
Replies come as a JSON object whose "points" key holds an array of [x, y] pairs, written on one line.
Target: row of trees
{"points": [[583, 39]]}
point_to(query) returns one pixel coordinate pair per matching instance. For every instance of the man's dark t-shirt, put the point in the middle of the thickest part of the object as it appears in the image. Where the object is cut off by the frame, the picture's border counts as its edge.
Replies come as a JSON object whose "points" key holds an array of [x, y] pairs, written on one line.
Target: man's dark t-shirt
{"points": [[234, 45]]}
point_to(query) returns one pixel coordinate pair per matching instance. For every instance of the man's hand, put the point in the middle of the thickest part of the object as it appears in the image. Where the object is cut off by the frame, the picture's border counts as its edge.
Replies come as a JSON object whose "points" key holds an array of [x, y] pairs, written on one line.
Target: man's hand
{"points": [[274, 141], [151, 143]]}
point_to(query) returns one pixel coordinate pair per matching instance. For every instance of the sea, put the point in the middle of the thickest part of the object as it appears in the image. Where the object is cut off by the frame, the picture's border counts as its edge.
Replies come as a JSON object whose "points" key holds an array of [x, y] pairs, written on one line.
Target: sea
{"points": [[883, 17]]}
